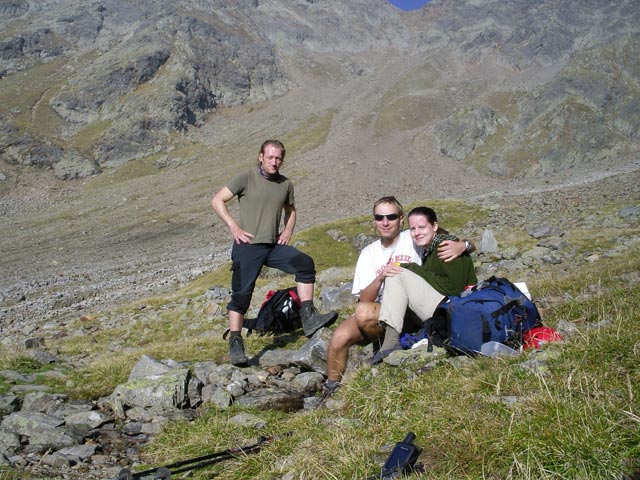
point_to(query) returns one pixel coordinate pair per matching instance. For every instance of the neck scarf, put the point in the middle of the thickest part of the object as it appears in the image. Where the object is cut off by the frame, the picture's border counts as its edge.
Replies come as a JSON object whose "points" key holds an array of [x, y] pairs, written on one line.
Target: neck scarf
{"points": [[440, 237], [271, 178]]}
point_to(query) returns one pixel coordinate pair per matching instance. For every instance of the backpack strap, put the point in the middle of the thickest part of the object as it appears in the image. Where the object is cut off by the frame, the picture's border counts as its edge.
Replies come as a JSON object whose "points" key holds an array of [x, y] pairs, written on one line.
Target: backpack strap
{"points": [[293, 292]]}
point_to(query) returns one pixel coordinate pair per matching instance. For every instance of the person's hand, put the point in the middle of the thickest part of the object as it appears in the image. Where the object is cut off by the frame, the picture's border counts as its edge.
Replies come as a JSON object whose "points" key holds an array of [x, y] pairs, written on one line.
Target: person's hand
{"points": [[390, 270], [241, 236], [284, 237], [449, 250]]}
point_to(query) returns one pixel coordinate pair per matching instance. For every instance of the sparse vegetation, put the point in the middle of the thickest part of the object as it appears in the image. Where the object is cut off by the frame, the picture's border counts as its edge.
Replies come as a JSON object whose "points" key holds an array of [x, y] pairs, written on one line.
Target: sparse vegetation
{"points": [[478, 418], [575, 415], [357, 95]]}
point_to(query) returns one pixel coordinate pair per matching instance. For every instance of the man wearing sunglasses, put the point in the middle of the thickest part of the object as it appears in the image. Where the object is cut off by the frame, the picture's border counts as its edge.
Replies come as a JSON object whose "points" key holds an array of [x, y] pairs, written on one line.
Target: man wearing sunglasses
{"points": [[377, 261], [263, 196]]}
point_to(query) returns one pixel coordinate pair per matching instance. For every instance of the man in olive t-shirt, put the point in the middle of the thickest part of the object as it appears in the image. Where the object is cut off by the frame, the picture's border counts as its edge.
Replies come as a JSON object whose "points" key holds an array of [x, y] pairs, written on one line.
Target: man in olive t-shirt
{"points": [[263, 196]]}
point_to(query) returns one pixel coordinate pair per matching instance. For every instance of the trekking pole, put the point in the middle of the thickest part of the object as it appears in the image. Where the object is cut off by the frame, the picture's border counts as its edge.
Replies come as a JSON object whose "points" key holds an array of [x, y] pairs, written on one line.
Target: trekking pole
{"points": [[199, 462]]}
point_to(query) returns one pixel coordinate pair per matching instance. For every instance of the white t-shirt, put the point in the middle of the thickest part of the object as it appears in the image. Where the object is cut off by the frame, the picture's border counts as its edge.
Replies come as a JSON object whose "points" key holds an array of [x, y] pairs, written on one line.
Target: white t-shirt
{"points": [[374, 257]]}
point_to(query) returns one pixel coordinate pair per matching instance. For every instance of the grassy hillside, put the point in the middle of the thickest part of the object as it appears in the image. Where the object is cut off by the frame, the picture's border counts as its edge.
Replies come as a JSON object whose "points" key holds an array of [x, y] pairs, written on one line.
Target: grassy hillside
{"points": [[570, 411]]}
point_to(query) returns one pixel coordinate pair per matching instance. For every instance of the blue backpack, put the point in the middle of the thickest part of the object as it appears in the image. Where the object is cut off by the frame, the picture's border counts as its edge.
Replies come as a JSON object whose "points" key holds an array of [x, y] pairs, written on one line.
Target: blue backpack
{"points": [[493, 310]]}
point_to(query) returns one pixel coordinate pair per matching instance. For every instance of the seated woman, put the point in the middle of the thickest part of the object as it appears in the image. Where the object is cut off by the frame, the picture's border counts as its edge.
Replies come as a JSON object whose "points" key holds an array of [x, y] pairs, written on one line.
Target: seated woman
{"points": [[421, 287]]}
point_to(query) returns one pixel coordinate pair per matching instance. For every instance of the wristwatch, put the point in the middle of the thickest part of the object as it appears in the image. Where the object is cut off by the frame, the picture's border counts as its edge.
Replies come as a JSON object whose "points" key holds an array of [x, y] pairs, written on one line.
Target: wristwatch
{"points": [[467, 246]]}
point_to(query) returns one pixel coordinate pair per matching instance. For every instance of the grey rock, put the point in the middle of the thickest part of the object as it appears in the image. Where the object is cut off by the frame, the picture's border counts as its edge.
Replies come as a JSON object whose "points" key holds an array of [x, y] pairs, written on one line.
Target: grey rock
{"points": [[248, 420], [167, 390], [337, 235], [43, 357], [9, 442], [510, 253], [465, 130], [88, 420], [540, 231], [488, 243], [534, 255], [29, 423], [362, 240], [63, 410], [202, 370], [311, 356], [41, 401], [148, 366], [194, 389], [217, 294], [554, 243], [629, 212], [57, 461], [566, 329], [34, 342], [236, 389], [54, 438], [217, 396], [13, 376], [272, 399], [337, 298], [9, 403], [308, 382], [78, 453]]}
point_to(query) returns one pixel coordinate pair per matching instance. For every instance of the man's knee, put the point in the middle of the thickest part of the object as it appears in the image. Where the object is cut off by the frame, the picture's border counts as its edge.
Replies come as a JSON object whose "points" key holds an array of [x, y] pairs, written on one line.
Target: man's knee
{"points": [[341, 337], [305, 268], [345, 335], [367, 312], [240, 302], [366, 317]]}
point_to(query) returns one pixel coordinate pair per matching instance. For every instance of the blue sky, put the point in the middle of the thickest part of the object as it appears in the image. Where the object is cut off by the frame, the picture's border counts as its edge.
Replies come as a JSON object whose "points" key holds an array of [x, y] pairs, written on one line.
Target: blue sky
{"points": [[408, 4]]}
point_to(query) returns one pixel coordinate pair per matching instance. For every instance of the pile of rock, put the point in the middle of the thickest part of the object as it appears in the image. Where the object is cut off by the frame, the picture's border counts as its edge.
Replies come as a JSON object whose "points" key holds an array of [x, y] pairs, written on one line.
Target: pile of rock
{"points": [[95, 439]]}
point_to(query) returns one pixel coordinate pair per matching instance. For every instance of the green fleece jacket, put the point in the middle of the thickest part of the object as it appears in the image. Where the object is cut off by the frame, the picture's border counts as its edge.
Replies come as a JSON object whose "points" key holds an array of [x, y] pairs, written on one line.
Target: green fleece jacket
{"points": [[448, 278]]}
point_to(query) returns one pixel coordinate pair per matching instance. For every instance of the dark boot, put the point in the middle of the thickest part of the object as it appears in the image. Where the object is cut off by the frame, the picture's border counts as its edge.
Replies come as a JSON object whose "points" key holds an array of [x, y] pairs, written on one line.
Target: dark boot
{"points": [[328, 389], [312, 320], [236, 351]]}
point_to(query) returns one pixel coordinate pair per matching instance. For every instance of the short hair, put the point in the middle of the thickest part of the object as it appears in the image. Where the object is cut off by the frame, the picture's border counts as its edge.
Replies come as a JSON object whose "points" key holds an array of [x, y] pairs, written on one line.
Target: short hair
{"points": [[273, 143], [389, 199]]}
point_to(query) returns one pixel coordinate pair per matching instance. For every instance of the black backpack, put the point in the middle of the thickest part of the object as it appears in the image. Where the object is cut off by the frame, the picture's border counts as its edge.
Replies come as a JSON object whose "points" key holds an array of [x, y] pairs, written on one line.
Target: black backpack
{"points": [[279, 313]]}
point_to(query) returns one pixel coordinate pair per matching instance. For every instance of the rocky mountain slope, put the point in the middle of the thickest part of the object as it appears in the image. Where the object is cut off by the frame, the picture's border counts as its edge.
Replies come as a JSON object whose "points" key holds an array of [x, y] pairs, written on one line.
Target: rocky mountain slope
{"points": [[118, 120]]}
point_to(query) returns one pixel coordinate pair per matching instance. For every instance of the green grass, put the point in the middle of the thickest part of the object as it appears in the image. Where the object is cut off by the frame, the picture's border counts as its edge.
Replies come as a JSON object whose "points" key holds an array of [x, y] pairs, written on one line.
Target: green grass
{"points": [[480, 418], [576, 417], [310, 134]]}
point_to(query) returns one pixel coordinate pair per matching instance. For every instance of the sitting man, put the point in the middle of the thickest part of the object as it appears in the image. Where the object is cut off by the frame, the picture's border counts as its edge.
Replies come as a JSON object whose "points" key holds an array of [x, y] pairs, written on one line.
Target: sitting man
{"points": [[377, 261]]}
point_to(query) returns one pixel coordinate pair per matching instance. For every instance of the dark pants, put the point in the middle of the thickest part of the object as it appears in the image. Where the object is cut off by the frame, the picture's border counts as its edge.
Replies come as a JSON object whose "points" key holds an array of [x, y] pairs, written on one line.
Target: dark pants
{"points": [[248, 260]]}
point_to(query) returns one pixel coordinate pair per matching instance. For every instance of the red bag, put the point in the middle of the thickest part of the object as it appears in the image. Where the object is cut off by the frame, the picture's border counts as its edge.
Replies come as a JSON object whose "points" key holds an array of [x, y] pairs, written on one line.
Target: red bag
{"points": [[539, 336]]}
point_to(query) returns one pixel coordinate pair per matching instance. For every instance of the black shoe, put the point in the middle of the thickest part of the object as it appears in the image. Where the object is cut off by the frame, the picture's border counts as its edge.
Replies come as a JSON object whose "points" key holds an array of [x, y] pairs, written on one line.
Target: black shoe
{"points": [[312, 320], [328, 389], [236, 351], [381, 354]]}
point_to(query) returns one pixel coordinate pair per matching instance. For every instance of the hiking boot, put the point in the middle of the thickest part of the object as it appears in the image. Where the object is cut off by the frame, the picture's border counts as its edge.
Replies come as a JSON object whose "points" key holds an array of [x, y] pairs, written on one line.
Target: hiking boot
{"points": [[380, 355], [312, 320], [328, 389], [236, 351]]}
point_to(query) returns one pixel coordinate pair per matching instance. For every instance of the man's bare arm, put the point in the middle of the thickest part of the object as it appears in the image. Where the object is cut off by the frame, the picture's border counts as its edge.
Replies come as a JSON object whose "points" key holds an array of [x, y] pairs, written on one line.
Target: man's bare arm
{"points": [[289, 224], [219, 204], [371, 291], [449, 250]]}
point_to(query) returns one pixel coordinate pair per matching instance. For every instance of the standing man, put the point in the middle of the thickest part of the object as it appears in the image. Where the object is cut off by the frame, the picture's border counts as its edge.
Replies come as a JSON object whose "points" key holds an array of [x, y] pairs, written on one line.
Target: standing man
{"points": [[263, 195], [376, 262]]}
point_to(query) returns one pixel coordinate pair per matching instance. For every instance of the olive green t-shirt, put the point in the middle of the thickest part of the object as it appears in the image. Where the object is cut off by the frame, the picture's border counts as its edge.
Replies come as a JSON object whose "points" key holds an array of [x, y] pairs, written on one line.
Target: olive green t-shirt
{"points": [[261, 203]]}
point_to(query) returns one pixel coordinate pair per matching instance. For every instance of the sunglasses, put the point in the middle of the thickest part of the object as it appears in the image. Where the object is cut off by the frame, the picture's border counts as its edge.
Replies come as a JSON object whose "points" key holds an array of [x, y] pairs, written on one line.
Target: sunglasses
{"points": [[389, 216]]}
